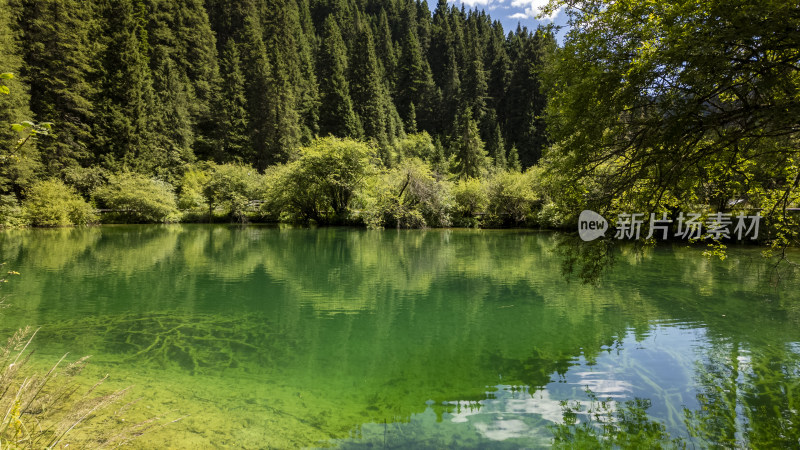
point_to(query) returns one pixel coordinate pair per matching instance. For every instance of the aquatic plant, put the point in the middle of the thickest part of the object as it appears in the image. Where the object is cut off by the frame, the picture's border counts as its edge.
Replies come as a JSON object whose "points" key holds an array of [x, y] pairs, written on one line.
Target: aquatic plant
{"points": [[44, 410], [610, 424], [196, 343]]}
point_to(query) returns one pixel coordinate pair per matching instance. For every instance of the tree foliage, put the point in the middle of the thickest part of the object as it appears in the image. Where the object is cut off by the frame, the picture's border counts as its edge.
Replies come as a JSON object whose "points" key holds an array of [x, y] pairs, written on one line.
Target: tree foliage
{"points": [[138, 199], [51, 203]]}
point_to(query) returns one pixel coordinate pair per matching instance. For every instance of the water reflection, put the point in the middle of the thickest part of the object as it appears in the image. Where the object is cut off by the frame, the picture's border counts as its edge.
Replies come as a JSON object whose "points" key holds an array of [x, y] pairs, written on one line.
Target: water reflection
{"points": [[395, 335]]}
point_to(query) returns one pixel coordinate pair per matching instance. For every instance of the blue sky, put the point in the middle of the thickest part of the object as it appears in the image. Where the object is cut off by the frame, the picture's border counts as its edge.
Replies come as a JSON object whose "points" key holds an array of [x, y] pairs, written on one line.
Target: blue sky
{"points": [[511, 12]]}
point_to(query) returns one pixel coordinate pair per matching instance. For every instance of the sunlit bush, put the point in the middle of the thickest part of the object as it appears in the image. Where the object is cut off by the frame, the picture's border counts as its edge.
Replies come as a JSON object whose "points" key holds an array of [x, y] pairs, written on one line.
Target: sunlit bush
{"points": [[191, 189], [11, 213], [320, 184], [470, 198], [512, 199], [231, 188], [136, 198], [51, 203], [407, 196]]}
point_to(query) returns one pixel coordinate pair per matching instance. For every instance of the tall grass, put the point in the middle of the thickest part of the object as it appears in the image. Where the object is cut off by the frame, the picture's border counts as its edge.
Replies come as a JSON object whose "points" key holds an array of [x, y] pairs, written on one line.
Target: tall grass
{"points": [[44, 409]]}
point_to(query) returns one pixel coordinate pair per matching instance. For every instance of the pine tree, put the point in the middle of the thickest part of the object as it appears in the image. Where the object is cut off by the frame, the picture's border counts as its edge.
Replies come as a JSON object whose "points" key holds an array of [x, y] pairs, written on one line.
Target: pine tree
{"points": [[513, 160], [474, 87], [170, 119], [233, 141], [386, 51], [184, 28], [411, 123], [257, 72], [59, 64], [468, 147], [498, 148], [525, 99], [498, 68], [415, 82], [17, 165], [308, 93], [367, 90], [423, 26], [439, 159], [282, 32], [336, 107], [123, 130]]}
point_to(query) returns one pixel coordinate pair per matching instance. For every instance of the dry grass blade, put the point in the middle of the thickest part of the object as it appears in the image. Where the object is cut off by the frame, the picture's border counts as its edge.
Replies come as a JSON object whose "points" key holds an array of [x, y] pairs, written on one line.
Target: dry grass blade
{"points": [[44, 410]]}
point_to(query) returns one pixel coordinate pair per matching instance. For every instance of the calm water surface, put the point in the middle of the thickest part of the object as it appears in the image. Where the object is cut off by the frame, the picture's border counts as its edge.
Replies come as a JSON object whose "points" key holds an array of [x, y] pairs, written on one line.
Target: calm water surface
{"points": [[281, 337]]}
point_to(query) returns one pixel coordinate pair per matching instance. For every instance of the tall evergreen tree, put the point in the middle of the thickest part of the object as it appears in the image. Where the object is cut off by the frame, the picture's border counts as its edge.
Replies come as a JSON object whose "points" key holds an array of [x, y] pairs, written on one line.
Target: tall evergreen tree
{"points": [[336, 108], [59, 65], [498, 148], [367, 91], [257, 72], [124, 136], [415, 82], [233, 143], [308, 89], [474, 86], [16, 164], [526, 100], [184, 27], [281, 24], [170, 118], [468, 147], [386, 52]]}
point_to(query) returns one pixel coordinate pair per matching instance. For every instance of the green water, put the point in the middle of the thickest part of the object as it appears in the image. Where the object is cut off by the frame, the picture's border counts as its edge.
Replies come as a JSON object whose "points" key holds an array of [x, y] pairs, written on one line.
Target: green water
{"points": [[268, 337]]}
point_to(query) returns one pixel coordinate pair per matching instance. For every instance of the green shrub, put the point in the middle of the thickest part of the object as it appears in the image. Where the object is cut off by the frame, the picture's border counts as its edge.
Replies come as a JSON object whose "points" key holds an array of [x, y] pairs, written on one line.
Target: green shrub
{"points": [[320, 184], [230, 188], [407, 196], [11, 213], [470, 198], [191, 193], [418, 145], [138, 199], [512, 199], [51, 203]]}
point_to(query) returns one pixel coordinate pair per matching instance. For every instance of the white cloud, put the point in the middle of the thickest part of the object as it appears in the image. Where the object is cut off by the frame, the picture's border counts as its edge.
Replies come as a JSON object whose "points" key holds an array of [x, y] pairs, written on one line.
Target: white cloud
{"points": [[532, 8], [473, 3]]}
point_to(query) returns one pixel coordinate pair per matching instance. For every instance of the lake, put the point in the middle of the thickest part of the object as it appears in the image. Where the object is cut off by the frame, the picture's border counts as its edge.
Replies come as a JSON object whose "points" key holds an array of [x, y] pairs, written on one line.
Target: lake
{"points": [[294, 337]]}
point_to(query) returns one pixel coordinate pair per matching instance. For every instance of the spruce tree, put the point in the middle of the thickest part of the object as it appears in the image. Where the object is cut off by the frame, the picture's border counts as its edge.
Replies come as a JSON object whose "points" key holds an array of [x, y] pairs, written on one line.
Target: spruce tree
{"points": [[474, 87], [498, 148], [336, 108], [282, 31], [170, 119], [470, 156], [233, 143], [194, 53], [366, 87], [257, 72], [59, 65], [385, 50], [513, 160], [123, 134], [411, 122], [415, 82], [498, 68], [17, 164], [525, 99]]}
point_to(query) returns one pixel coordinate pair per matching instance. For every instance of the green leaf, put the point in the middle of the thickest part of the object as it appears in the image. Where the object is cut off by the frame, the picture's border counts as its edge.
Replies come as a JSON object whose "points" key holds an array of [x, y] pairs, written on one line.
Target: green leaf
{"points": [[4, 90], [17, 127], [6, 76]]}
